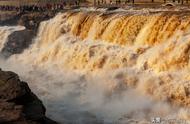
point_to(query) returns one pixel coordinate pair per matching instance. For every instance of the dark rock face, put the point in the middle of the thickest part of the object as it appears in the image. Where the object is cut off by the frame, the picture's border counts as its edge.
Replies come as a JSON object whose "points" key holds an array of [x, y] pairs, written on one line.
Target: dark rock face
{"points": [[20, 40], [17, 42], [18, 105], [32, 20], [112, 8], [24, 18]]}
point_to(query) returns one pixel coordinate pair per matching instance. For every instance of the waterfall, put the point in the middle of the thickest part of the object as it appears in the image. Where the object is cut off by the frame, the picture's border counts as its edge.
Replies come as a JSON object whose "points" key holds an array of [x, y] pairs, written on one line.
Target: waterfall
{"points": [[108, 67]]}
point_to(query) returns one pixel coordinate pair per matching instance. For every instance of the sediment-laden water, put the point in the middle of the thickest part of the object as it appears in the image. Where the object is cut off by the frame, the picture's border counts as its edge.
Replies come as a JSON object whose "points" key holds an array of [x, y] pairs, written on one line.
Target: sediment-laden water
{"points": [[109, 67]]}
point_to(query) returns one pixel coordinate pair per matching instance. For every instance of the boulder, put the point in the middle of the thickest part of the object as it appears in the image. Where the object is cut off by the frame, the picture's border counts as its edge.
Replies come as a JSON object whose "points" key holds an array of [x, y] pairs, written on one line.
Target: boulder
{"points": [[18, 104], [17, 42]]}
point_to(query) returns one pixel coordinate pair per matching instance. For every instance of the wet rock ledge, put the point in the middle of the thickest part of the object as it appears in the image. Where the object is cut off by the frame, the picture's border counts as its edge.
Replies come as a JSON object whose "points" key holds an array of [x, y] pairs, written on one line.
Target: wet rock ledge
{"points": [[18, 105], [20, 40]]}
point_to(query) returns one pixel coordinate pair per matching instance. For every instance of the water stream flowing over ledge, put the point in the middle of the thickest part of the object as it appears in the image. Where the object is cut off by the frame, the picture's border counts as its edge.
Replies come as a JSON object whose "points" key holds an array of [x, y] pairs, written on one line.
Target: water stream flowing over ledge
{"points": [[93, 67]]}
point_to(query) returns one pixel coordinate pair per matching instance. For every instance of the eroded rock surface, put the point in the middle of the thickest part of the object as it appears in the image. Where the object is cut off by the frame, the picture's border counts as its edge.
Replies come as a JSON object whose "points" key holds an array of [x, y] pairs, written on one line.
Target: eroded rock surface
{"points": [[17, 42], [18, 105]]}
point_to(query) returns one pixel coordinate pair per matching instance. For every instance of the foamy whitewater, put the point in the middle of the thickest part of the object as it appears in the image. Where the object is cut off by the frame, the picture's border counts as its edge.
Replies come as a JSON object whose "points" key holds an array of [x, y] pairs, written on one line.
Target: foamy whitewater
{"points": [[94, 67]]}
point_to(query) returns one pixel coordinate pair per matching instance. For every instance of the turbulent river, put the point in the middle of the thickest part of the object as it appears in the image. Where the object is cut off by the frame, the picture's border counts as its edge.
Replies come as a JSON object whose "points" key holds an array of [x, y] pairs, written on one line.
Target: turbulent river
{"points": [[94, 67]]}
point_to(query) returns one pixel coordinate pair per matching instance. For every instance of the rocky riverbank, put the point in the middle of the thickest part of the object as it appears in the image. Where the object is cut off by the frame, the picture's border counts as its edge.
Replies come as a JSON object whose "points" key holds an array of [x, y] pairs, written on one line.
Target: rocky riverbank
{"points": [[18, 104], [24, 18]]}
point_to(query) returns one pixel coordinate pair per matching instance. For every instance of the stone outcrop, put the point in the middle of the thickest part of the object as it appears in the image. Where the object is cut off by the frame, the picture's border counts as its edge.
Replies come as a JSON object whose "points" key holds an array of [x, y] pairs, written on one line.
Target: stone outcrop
{"points": [[20, 40], [17, 42], [24, 18], [18, 105]]}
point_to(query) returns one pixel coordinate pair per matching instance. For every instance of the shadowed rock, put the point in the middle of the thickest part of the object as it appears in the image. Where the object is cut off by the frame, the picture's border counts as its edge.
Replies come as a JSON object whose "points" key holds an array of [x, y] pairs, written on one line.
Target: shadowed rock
{"points": [[18, 105], [20, 40], [17, 42]]}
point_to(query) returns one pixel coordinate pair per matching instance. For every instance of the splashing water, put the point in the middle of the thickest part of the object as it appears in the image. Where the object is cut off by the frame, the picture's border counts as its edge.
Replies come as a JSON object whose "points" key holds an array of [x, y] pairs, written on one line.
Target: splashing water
{"points": [[95, 67]]}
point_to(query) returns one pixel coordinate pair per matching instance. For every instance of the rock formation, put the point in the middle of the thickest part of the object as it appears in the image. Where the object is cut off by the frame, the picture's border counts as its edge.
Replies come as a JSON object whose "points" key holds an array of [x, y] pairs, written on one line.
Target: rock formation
{"points": [[18, 105], [20, 40]]}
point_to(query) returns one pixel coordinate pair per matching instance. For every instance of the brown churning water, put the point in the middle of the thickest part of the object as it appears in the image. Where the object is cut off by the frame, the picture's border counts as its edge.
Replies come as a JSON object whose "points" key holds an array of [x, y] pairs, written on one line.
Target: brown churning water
{"points": [[105, 67]]}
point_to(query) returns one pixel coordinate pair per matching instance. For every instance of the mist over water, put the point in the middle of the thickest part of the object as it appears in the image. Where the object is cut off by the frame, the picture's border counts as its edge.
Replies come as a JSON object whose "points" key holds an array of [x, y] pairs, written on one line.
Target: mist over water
{"points": [[82, 98], [94, 67]]}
